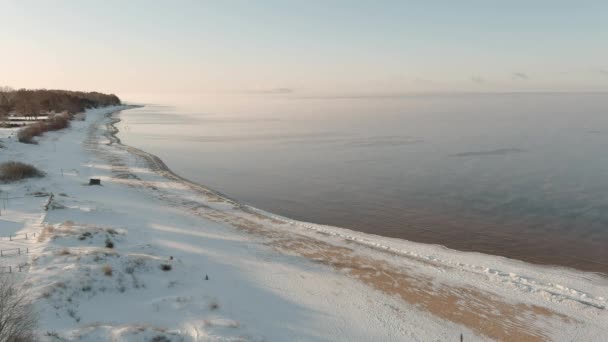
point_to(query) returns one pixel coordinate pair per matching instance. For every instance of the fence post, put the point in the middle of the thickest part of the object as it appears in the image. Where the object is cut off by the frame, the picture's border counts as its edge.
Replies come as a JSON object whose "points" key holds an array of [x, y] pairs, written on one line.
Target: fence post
{"points": [[26, 236]]}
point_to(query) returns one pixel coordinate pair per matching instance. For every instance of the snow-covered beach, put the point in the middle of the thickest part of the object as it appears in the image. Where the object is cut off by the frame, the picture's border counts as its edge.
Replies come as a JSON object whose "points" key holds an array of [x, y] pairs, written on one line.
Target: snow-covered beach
{"points": [[187, 263]]}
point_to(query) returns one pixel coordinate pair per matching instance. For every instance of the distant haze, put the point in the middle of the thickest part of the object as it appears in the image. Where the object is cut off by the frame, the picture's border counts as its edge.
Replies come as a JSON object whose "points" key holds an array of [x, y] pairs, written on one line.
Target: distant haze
{"points": [[305, 48]]}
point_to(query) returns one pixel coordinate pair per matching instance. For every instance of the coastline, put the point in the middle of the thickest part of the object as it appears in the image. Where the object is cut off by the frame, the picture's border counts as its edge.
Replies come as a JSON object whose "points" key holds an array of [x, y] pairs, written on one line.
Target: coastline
{"points": [[157, 164], [394, 246], [411, 291], [310, 178]]}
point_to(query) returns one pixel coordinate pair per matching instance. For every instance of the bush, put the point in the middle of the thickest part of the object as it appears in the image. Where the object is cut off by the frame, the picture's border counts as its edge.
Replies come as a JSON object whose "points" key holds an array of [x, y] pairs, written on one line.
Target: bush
{"points": [[109, 243], [58, 122], [17, 317], [13, 171], [166, 267], [26, 135]]}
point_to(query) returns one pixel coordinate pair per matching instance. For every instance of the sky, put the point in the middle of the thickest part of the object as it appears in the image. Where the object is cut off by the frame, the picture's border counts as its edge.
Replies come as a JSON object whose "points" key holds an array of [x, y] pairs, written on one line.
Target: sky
{"points": [[305, 48]]}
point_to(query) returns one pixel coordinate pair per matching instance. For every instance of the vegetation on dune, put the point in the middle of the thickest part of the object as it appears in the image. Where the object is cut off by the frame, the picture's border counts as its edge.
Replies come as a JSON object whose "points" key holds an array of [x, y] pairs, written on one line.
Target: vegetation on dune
{"points": [[13, 171], [32, 103], [58, 106], [54, 123]]}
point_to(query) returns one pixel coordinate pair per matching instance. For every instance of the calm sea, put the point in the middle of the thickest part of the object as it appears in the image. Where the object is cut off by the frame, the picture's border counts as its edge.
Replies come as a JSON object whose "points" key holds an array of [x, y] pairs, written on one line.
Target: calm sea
{"points": [[519, 175]]}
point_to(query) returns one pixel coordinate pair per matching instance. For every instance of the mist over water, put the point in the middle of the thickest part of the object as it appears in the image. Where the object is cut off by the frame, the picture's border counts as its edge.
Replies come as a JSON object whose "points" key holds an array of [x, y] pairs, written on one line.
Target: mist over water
{"points": [[519, 175]]}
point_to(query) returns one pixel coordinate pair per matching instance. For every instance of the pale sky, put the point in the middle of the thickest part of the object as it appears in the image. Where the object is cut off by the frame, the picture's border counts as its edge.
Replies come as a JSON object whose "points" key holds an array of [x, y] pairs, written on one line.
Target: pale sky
{"points": [[305, 47]]}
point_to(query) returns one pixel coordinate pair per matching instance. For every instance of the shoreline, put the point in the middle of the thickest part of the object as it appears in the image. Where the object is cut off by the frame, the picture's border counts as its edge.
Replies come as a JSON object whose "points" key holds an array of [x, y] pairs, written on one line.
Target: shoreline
{"points": [[269, 277], [157, 164], [382, 244]]}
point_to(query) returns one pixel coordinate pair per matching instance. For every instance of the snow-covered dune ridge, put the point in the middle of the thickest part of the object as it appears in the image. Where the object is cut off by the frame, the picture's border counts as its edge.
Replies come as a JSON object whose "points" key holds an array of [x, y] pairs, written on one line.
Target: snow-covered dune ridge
{"points": [[150, 256]]}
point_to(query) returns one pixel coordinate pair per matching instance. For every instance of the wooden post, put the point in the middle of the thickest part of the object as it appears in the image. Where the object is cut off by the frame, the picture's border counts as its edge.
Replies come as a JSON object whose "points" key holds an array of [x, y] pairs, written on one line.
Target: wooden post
{"points": [[48, 204]]}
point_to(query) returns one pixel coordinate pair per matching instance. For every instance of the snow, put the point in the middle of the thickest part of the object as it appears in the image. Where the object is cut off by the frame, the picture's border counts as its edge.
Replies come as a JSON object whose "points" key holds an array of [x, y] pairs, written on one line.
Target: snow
{"points": [[269, 278]]}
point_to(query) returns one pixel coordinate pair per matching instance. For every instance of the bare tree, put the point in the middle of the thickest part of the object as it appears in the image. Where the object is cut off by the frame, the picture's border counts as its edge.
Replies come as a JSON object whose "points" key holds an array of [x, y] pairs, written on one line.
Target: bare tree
{"points": [[4, 108], [17, 317], [7, 97]]}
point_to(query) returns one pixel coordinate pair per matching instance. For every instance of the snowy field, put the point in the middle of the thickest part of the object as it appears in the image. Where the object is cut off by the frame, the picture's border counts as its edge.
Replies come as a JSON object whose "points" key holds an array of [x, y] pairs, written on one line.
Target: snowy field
{"points": [[148, 256]]}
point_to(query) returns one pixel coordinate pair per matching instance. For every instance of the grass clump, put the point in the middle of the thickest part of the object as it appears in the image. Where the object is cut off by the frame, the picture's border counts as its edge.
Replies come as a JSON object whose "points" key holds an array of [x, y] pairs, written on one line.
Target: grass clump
{"points": [[13, 171]]}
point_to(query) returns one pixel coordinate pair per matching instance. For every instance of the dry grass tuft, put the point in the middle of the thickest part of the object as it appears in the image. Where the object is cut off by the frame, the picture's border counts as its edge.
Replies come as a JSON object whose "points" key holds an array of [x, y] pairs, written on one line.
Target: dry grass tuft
{"points": [[13, 171], [46, 233]]}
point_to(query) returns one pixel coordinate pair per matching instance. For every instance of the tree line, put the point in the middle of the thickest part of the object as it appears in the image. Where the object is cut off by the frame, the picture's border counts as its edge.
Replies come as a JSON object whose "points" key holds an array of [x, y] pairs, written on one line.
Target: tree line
{"points": [[33, 102]]}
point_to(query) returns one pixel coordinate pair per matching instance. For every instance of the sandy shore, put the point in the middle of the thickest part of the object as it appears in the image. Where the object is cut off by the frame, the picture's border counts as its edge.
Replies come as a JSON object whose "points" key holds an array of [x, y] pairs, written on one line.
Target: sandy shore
{"points": [[190, 264]]}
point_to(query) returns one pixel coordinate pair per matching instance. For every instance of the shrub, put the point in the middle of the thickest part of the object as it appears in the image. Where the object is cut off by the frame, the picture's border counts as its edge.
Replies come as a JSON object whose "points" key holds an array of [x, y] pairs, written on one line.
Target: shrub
{"points": [[166, 267], [13, 171], [109, 243], [26, 135], [107, 270], [58, 122], [17, 317]]}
